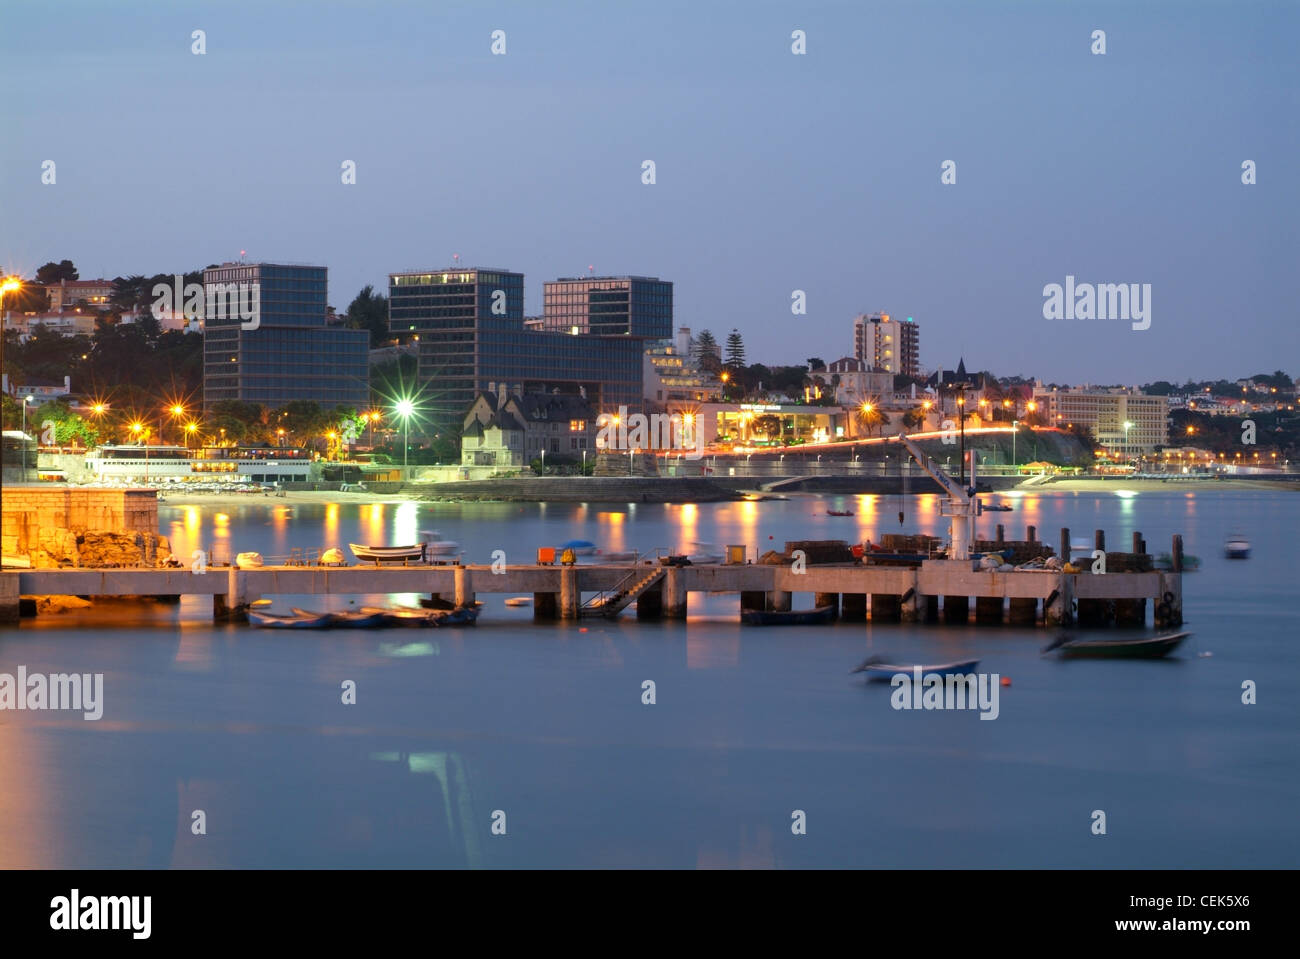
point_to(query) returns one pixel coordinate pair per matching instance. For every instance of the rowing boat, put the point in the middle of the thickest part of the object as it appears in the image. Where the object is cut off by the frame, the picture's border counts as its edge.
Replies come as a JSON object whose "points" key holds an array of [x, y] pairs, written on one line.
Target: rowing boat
{"points": [[1147, 647], [299, 620], [348, 619], [390, 554], [788, 617], [878, 671]]}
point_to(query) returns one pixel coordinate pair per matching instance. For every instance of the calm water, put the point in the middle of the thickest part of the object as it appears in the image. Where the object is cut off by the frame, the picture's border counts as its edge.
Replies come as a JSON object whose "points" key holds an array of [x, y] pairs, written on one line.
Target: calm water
{"points": [[546, 724]]}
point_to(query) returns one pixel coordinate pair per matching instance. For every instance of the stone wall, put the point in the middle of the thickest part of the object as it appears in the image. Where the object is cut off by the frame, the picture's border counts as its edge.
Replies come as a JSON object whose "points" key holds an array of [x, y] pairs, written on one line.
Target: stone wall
{"points": [[70, 526]]}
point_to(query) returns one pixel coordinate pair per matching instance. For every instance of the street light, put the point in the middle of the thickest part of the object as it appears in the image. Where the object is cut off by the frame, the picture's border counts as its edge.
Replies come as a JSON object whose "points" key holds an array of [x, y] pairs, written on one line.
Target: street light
{"points": [[26, 399], [405, 409], [1127, 426], [190, 429]]}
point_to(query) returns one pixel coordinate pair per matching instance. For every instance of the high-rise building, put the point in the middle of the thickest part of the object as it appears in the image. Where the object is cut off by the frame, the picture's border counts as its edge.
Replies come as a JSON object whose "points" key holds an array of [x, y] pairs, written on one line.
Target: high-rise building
{"points": [[639, 306], [474, 337], [287, 352], [1123, 420], [883, 342]]}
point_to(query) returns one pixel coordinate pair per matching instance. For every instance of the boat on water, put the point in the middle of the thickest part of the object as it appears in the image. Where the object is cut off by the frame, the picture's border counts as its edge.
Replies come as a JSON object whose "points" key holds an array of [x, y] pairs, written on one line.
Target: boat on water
{"points": [[579, 547], [1146, 647], [997, 508], [405, 555], [839, 512], [437, 545], [519, 601], [788, 617], [413, 617], [299, 619], [347, 619], [461, 616], [879, 671], [1237, 547]]}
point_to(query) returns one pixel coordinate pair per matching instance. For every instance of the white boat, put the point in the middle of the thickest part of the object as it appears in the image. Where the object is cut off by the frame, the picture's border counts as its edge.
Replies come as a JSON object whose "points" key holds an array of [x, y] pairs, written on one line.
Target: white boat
{"points": [[389, 554], [1237, 547], [519, 601], [436, 545], [249, 560], [705, 554]]}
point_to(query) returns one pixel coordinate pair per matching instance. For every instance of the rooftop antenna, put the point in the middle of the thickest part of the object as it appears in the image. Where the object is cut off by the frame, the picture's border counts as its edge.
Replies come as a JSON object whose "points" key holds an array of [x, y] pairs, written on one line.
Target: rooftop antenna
{"points": [[591, 268], [242, 254], [456, 259]]}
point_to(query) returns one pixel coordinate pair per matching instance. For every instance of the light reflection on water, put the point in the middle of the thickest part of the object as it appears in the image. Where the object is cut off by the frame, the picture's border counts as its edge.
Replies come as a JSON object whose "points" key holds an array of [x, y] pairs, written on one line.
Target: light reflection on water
{"points": [[545, 722]]}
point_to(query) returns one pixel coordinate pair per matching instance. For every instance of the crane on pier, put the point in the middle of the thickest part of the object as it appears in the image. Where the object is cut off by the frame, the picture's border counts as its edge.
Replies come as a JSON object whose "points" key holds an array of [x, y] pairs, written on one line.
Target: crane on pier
{"points": [[961, 507]]}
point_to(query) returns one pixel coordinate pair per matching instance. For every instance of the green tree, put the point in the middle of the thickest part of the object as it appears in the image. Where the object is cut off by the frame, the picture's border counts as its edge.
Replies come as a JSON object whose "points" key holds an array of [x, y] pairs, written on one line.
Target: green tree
{"points": [[735, 350], [369, 311], [54, 272]]}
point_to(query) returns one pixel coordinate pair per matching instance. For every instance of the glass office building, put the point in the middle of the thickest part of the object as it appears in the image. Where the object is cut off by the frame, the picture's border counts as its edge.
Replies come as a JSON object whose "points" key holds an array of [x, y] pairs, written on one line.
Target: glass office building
{"points": [[610, 306], [291, 354], [472, 337]]}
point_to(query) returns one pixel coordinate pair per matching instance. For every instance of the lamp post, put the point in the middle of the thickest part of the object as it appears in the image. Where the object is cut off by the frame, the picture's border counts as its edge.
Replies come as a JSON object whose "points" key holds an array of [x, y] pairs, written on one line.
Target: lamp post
{"points": [[584, 462], [1014, 426], [177, 411], [404, 409], [7, 285], [26, 399], [1127, 427]]}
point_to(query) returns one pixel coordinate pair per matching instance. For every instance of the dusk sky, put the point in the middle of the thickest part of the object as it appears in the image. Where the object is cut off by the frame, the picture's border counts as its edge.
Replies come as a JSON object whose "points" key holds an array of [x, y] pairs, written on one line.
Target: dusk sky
{"points": [[775, 172]]}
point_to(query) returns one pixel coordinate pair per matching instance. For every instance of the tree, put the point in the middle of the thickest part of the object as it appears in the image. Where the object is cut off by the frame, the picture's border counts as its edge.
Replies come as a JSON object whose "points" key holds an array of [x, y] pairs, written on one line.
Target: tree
{"points": [[369, 311], [735, 349], [914, 418], [69, 428], [816, 363], [707, 353], [54, 272], [304, 421], [870, 418]]}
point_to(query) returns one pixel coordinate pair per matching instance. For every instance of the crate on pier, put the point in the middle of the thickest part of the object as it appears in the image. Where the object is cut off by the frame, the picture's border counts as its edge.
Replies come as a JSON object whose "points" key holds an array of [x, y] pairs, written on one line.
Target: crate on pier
{"points": [[821, 552]]}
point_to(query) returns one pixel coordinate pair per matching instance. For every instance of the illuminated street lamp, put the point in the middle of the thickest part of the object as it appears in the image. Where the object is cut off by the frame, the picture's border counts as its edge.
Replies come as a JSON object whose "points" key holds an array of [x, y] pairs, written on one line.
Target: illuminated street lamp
{"points": [[1127, 426], [190, 429], [405, 409]]}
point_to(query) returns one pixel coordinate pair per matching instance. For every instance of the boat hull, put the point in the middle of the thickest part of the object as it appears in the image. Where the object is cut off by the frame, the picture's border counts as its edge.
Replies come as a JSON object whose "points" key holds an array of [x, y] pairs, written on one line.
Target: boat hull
{"points": [[885, 672], [275, 621], [793, 617], [1154, 647]]}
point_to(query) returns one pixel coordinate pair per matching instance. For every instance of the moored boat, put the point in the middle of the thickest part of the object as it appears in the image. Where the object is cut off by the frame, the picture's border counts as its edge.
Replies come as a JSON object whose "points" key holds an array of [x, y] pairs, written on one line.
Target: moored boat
{"points": [[405, 555], [298, 620], [839, 512], [788, 617], [579, 547], [705, 554], [878, 671], [403, 615], [347, 619], [1146, 647], [437, 545], [1237, 547]]}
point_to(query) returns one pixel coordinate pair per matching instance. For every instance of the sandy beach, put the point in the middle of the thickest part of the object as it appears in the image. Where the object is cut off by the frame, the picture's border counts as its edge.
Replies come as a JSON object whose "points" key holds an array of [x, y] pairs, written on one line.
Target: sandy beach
{"points": [[287, 498], [1146, 485]]}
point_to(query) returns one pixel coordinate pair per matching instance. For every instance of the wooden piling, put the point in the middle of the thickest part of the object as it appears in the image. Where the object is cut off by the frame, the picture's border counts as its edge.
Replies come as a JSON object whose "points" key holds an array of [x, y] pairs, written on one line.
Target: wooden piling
{"points": [[1065, 544], [1177, 554], [1099, 540], [1031, 534], [827, 599], [885, 608], [1001, 534]]}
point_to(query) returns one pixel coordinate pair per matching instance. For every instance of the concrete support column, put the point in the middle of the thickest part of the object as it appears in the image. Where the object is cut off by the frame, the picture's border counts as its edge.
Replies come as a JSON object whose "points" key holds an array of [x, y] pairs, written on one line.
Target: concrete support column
{"points": [[675, 604], [913, 602], [1058, 610], [1169, 605], [464, 586], [753, 599], [9, 598], [570, 597], [782, 600]]}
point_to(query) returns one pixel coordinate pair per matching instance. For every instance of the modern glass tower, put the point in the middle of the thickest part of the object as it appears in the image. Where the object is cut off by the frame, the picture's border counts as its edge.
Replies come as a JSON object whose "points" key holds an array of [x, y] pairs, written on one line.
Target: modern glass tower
{"points": [[639, 306], [470, 322], [287, 351]]}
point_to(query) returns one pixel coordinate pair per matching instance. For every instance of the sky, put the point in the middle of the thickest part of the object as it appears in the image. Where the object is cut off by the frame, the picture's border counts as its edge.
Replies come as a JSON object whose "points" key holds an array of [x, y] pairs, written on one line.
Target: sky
{"points": [[774, 171]]}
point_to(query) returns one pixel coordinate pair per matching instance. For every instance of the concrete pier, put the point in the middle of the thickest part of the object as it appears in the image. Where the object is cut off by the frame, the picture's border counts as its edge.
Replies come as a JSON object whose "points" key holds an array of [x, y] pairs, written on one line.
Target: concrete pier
{"points": [[906, 593]]}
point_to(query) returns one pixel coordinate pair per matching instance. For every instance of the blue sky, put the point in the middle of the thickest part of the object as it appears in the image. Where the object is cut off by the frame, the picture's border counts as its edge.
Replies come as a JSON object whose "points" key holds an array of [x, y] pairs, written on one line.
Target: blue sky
{"points": [[775, 172]]}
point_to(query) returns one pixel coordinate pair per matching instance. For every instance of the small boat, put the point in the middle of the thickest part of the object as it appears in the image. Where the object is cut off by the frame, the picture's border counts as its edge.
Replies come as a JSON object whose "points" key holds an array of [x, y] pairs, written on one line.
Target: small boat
{"points": [[579, 547], [616, 556], [403, 615], [461, 616], [705, 554], [405, 555], [999, 508], [298, 620], [879, 671], [436, 545], [519, 601], [1147, 647], [788, 617], [348, 619], [839, 512], [1237, 547]]}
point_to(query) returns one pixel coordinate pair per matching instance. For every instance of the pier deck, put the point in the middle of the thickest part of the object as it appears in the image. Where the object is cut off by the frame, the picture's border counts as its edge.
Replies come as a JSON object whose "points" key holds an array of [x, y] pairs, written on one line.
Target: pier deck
{"points": [[885, 593]]}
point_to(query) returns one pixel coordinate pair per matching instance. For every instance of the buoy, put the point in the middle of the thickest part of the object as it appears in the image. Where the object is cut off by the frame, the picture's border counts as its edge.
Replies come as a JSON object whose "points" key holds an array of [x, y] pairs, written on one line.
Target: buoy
{"points": [[769, 537], [582, 629], [1205, 655], [1006, 680]]}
